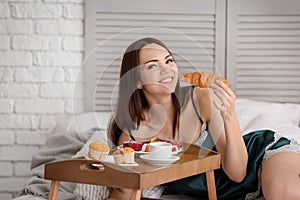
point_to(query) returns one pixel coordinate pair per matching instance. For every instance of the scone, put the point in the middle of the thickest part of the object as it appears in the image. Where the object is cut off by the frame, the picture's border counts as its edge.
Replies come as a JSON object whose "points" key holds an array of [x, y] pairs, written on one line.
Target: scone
{"points": [[124, 155], [203, 79], [98, 151]]}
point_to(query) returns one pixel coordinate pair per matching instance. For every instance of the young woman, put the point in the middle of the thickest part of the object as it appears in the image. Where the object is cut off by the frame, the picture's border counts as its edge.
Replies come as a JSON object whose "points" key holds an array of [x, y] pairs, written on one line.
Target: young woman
{"points": [[152, 104]]}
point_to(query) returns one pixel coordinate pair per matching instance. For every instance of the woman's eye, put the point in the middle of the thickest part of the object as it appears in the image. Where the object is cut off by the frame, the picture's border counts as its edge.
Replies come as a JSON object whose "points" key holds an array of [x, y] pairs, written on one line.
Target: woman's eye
{"points": [[152, 67], [169, 61]]}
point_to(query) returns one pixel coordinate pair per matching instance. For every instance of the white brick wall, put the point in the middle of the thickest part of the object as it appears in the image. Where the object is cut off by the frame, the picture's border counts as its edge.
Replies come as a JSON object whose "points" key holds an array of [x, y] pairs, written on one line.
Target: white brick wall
{"points": [[41, 49]]}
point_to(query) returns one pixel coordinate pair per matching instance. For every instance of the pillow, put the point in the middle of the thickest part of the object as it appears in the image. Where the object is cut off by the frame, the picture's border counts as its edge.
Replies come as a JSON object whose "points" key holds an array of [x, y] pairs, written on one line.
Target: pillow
{"points": [[99, 136], [280, 113], [296, 109], [84, 122], [270, 122]]}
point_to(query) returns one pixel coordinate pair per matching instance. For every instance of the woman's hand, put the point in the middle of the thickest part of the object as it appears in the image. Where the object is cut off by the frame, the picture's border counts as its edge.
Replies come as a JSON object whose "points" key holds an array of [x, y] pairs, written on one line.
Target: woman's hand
{"points": [[227, 99]]}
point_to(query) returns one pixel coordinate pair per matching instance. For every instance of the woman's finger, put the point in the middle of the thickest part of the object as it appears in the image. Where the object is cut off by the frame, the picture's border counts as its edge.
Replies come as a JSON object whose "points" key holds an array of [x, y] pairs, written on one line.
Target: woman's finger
{"points": [[229, 93], [220, 107], [221, 93], [224, 87]]}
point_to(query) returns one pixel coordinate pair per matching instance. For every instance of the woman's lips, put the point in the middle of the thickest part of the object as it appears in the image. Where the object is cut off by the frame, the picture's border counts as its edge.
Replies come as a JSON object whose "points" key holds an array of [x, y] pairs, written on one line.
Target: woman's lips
{"points": [[166, 80]]}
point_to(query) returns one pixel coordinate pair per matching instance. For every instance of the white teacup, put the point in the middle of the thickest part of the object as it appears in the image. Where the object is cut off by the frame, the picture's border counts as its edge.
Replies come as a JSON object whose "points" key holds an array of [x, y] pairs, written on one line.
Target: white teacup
{"points": [[161, 150]]}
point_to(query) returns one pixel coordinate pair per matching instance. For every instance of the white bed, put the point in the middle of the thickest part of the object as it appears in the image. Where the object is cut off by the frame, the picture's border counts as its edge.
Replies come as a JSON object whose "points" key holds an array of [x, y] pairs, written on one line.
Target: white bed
{"points": [[283, 118]]}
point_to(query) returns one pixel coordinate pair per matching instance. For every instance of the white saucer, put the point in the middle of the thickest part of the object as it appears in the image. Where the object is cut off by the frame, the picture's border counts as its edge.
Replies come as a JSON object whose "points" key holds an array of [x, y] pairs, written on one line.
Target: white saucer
{"points": [[154, 161]]}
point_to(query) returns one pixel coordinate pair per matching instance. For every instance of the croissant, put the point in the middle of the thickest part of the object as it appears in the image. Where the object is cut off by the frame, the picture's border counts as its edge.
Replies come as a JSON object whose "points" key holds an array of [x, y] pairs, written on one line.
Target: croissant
{"points": [[202, 79]]}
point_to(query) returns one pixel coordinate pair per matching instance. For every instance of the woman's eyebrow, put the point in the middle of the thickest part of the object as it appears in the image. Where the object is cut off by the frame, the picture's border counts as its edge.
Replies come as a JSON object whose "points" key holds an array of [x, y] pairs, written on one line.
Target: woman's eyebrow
{"points": [[151, 61], [168, 56], [156, 60]]}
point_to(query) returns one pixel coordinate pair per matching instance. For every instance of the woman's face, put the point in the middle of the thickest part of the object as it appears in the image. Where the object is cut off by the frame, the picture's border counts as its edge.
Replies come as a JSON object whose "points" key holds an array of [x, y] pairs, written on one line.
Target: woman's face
{"points": [[158, 70]]}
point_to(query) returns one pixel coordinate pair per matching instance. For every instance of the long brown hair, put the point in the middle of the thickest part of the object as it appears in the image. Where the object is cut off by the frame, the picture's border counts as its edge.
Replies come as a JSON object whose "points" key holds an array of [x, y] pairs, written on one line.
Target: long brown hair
{"points": [[128, 117]]}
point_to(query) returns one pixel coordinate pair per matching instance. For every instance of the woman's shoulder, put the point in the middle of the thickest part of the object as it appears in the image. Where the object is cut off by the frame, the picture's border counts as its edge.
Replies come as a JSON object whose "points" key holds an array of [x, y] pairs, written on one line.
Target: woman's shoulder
{"points": [[202, 93], [202, 97]]}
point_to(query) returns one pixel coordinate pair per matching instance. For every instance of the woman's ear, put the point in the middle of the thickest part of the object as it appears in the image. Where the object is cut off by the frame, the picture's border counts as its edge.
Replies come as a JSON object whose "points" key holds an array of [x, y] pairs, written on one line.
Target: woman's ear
{"points": [[139, 85]]}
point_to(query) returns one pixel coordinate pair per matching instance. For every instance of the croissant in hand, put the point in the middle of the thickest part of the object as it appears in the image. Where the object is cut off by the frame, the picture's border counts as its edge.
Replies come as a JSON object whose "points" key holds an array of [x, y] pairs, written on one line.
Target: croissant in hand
{"points": [[203, 79]]}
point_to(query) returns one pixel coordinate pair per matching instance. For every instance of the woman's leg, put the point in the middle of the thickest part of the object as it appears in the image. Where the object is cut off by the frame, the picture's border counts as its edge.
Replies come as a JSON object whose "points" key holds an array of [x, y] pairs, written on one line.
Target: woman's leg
{"points": [[281, 176]]}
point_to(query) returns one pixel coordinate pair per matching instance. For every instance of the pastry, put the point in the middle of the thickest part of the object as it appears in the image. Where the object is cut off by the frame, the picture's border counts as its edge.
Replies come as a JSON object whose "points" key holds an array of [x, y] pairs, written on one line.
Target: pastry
{"points": [[202, 79], [98, 151], [147, 148], [124, 155], [151, 140]]}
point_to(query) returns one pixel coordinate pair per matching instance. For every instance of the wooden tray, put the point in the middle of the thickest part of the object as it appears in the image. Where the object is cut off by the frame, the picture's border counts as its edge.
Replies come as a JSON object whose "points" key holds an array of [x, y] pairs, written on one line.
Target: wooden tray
{"points": [[194, 160]]}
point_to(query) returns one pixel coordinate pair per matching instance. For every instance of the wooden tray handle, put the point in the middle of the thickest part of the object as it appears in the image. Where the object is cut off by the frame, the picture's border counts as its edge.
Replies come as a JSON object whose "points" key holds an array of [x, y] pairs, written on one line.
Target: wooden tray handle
{"points": [[85, 171], [88, 166]]}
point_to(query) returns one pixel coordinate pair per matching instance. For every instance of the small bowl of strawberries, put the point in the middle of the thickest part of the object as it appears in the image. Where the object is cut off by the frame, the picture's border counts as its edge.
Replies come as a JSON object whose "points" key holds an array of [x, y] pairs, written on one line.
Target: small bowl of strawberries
{"points": [[137, 146]]}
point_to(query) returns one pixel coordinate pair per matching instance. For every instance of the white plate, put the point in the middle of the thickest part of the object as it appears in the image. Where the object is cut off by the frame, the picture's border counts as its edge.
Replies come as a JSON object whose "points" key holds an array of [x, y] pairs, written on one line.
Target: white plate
{"points": [[110, 159], [144, 152], [154, 161]]}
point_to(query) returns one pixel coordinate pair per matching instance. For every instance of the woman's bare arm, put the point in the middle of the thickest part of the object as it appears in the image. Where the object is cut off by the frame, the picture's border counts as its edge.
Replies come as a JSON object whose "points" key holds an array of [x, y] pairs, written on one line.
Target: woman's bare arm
{"points": [[235, 157], [225, 129]]}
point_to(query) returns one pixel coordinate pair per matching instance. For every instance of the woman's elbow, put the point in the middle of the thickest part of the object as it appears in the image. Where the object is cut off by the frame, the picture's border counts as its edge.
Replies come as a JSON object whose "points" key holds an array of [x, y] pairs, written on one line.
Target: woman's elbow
{"points": [[238, 174], [238, 177]]}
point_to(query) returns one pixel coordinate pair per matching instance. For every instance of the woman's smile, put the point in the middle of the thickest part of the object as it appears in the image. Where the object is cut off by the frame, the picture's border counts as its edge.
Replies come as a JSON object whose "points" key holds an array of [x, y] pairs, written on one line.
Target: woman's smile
{"points": [[167, 80]]}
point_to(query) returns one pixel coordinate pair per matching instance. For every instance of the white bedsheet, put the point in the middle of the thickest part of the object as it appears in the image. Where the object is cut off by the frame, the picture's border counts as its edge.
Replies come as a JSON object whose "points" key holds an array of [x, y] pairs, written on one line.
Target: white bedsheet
{"points": [[282, 118]]}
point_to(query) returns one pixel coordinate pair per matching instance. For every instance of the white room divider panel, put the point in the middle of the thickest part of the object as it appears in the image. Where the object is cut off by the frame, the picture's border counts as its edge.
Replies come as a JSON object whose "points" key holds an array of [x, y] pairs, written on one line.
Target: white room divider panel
{"points": [[185, 26], [255, 44], [263, 49]]}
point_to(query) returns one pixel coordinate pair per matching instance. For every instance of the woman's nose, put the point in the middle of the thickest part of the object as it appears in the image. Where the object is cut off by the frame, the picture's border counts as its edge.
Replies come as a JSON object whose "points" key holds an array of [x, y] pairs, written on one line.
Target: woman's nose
{"points": [[164, 69]]}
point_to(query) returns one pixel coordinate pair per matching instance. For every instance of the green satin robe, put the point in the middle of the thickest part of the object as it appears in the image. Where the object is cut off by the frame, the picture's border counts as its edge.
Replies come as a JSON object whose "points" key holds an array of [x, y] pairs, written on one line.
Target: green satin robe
{"points": [[256, 143]]}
